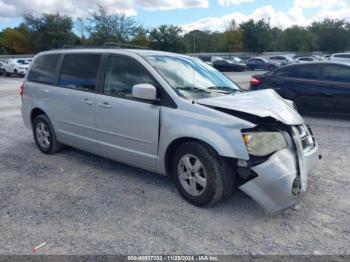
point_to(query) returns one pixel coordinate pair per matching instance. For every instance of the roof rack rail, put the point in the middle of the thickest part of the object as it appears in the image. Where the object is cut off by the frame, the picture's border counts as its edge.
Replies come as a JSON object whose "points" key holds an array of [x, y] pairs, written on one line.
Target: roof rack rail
{"points": [[121, 45], [107, 45]]}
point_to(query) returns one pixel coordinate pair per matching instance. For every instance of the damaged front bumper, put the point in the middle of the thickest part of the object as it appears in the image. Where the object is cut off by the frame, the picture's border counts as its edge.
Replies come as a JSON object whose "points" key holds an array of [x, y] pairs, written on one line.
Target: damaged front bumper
{"points": [[281, 180]]}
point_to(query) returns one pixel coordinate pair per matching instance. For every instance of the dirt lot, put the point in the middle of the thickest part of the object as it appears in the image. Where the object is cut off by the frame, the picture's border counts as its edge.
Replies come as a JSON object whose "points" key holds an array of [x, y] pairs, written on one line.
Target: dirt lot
{"points": [[82, 204]]}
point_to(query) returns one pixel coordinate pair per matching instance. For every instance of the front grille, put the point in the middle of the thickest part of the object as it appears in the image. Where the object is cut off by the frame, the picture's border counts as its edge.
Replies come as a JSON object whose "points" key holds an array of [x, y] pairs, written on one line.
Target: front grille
{"points": [[306, 137]]}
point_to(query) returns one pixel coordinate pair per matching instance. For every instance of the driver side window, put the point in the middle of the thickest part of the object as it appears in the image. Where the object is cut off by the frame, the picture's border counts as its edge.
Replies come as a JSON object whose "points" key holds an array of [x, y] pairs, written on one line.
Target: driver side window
{"points": [[122, 74]]}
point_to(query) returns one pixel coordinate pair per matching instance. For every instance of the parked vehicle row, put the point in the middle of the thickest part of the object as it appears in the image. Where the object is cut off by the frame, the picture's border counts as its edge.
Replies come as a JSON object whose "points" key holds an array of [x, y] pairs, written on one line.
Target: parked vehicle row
{"points": [[318, 86], [173, 115], [236, 64], [232, 63]]}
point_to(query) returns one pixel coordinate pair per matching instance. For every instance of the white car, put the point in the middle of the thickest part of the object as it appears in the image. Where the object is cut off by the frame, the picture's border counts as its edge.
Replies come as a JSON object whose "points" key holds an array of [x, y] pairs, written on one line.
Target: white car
{"points": [[16, 67], [341, 57]]}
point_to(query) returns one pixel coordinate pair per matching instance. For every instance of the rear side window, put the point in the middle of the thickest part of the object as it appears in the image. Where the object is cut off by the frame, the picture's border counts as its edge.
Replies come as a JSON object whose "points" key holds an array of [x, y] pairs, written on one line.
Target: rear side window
{"points": [[311, 72], [122, 74], [336, 73], [43, 69], [79, 71]]}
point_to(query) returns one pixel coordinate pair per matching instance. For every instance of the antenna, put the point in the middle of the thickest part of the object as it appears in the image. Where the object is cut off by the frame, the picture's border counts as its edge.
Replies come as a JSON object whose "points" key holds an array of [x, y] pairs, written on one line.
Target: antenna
{"points": [[194, 51]]}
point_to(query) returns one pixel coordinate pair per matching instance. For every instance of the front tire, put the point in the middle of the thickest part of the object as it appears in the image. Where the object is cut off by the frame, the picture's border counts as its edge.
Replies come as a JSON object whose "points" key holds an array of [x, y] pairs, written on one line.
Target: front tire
{"points": [[201, 175], [44, 135]]}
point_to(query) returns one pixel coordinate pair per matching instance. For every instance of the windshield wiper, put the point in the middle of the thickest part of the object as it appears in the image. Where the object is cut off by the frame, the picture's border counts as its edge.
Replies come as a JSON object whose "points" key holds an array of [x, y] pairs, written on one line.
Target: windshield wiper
{"points": [[225, 89], [192, 88]]}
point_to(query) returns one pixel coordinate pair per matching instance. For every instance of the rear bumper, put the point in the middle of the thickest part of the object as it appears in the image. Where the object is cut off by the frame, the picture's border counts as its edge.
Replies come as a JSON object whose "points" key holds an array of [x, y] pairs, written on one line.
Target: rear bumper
{"points": [[282, 179]]}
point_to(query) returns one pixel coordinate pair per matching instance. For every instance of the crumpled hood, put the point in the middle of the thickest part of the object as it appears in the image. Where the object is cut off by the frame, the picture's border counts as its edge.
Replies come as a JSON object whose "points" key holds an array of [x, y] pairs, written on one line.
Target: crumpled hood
{"points": [[262, 103]]}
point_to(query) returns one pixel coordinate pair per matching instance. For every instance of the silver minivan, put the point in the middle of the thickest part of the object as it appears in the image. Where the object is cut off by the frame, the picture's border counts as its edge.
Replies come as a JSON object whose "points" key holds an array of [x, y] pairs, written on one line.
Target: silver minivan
{"points": [[173, 115]]}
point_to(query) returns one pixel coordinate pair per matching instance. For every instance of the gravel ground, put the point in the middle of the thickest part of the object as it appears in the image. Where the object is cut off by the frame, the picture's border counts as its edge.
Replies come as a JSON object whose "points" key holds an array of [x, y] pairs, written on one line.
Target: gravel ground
{"points": [[82, 204]]}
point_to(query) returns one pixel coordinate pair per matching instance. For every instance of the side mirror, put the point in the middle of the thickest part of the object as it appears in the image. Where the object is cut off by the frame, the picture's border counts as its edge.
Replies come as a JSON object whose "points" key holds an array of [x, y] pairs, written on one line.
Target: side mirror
{"points": [[144, 92]]}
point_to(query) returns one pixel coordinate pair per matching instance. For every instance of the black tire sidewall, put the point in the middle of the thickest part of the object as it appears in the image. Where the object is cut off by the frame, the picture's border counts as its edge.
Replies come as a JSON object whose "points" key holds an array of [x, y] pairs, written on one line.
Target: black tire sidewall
{"points": [[211, 166], [46, 121]]}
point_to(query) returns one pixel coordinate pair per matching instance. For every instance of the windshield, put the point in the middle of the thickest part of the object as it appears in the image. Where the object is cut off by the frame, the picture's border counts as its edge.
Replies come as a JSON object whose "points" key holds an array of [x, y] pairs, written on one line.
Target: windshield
{"points": [[191, 77], [263, 59], [23, 62]]}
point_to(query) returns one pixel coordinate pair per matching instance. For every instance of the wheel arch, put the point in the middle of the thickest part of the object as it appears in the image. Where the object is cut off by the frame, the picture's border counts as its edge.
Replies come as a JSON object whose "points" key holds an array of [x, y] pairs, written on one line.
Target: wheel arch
{"points": [[35, 112], [174, 145]]}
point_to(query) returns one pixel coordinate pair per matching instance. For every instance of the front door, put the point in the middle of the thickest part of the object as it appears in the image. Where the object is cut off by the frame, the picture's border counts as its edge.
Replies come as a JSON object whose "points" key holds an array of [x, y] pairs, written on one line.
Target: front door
{"points": [[127, 128], [302, 85]]}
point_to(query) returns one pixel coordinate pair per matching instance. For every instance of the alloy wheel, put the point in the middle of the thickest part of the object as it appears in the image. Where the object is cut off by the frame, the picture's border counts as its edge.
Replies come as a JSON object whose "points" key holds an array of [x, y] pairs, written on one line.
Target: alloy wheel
{"points": [[43, 135], [192, 175]]}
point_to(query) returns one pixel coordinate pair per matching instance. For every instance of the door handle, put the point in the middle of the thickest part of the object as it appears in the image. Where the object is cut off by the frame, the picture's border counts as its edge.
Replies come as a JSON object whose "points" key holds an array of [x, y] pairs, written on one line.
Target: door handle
{"points": [[87, 101], [105, 105]]}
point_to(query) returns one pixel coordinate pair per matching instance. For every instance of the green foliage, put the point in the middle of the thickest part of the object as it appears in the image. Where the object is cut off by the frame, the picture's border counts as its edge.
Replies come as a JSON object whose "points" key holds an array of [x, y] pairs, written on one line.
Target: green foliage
{"points": [[141, 38], [234, 38], [49, 31], [167, 38], [298, 39], [257, 36], [332, 35], [104, 27]]}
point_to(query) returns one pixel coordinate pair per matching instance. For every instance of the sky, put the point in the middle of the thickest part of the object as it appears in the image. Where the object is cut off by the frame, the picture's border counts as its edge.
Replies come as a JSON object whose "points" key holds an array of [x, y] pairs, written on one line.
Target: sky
{"points": [[212, 15]]}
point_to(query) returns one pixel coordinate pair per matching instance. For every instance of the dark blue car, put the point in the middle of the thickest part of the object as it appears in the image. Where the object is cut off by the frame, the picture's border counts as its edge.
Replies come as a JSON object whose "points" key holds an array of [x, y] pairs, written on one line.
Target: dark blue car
{"points": [[314, 86]]}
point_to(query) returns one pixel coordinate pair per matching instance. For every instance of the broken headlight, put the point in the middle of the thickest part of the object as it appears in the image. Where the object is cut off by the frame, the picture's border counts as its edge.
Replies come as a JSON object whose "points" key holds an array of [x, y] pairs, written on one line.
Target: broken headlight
{"points": [[264, 143]]}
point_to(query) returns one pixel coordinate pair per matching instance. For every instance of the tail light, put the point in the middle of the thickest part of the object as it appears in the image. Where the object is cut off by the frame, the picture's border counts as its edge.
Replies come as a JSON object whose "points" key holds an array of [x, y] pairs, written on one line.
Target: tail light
{"points": [[21, 91], [254, 82]]}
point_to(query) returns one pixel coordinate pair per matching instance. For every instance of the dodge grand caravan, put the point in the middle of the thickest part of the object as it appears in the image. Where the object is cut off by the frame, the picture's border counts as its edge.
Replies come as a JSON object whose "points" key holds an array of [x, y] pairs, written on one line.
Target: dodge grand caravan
{"points": [[173, 115]]}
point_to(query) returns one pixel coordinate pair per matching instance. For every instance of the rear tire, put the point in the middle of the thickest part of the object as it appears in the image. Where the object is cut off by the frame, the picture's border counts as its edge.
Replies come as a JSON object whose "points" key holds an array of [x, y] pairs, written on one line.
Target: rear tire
{"points": [[44, 135], [15, 73], [201, 175]]}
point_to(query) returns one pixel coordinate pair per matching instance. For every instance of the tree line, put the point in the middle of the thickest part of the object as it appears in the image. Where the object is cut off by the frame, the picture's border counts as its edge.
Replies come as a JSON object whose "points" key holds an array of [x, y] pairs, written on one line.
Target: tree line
{"points": [[50, 31]]}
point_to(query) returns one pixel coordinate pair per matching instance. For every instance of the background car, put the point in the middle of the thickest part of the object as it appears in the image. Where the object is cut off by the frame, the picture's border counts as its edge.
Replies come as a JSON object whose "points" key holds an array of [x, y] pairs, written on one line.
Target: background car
{"points": [[229, 65], [317, 86], [283, 59], [341, 57], [244, 58], [16, 67], [306, 59], [262, 63], [205, 58]]}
